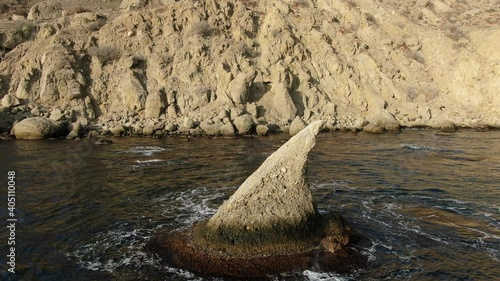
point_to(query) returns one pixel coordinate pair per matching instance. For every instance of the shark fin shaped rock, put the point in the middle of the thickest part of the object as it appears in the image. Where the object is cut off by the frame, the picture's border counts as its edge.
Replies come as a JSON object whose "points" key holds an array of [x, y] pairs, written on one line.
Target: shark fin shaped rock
{"points": [[274, 203], [270, 225]]}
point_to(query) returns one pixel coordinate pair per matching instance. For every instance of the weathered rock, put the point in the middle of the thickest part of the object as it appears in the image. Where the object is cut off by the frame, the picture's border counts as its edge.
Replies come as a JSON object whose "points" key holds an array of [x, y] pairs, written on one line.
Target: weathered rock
{"points": [[128, 5], [262, 130], [133, 93], [117, 130], [447, 126], [37, 128], [239, 86], [188, 122], [45, 10], [10, 100], [274, 202], [227, 129], [381, 122], [283, 103], [74, 130], [211, 128], [269, 225], [374, 127], [155, 103], [296, 126], [72, 135], [148, 130], [235, 112], [170, 127], [244, 124], [56, 114]]}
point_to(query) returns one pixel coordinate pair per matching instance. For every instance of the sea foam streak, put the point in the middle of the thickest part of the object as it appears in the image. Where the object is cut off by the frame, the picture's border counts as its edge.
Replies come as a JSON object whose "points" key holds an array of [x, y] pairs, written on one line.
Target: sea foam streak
{"points": [[145, 150]]}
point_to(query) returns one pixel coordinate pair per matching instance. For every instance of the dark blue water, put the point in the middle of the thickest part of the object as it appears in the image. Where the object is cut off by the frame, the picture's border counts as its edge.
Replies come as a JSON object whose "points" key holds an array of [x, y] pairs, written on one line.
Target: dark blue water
{"points": [[427, 205]]}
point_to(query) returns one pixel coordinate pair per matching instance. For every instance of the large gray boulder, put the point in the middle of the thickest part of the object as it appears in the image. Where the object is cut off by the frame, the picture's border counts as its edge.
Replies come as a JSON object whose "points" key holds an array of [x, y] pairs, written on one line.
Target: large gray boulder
{"points": [[38, 128], [275, 202]]}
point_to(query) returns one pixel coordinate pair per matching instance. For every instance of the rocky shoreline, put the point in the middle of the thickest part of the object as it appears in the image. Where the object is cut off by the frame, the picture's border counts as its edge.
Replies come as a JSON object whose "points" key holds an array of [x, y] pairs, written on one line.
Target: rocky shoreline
{"points": [[17, 122], [156, 68]]}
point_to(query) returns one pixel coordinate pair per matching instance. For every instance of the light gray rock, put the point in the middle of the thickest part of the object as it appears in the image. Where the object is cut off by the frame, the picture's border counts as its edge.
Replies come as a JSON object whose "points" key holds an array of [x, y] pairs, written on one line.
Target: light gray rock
{"points": [[37, 128], [262, 130], [72, 135], [74, 130], [155, 103], [244, 124], [117, 130], [56, 114], [188, 122], [447, 126], [381, 121], [170, 127], [283, 102], [148, 130], [239, 86], [171, 111], [235, 112], [211, 128], [128, 5], [421, 3], [10, 100], [222, 114], [275, 202], [374, 127], [45, 10], [227, 129], [296, 126]]}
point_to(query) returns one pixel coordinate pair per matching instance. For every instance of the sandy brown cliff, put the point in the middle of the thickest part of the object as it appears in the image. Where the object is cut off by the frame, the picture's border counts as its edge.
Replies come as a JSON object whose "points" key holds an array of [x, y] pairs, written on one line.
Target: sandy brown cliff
{"points": [[144, 66]]}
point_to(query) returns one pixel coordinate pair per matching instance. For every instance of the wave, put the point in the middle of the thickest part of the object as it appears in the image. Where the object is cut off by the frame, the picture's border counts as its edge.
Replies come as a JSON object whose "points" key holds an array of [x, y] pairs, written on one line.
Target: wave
{"points": [[149, 161], [145, 150], [428, 148], [323, 276]]}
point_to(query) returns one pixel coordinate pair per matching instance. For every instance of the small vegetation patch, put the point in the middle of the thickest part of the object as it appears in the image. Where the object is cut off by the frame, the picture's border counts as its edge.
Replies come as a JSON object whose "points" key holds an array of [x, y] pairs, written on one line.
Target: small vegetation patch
{"points": [[105, 53]]}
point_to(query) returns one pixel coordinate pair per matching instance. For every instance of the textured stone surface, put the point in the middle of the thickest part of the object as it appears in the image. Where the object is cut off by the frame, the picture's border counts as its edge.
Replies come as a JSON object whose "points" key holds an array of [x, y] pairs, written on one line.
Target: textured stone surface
{"points": [[296, 126], [243, 124], [37, 128], [275, 202]]}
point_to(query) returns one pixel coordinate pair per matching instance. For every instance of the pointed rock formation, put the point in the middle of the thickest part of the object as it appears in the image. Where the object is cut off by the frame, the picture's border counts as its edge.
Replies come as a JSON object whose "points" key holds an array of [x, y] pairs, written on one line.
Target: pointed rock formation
{"points": [[270, 225], [275, 202]]}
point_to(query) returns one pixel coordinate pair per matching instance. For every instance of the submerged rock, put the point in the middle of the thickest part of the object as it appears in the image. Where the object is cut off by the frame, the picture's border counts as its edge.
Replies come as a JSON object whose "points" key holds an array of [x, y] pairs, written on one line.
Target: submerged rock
{"points": [[270, 225]]}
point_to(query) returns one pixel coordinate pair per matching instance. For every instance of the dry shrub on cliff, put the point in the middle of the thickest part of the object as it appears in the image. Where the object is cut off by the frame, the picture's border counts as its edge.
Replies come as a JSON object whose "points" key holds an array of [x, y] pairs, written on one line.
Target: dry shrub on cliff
{"points": [[76, 10], [455, 33], [371, 19], [105, 53], [201, 28], [300, 4], [250, 3]]}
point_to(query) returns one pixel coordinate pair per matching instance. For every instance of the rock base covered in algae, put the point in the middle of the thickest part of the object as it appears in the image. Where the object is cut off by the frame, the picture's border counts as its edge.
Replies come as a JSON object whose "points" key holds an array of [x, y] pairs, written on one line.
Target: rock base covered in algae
{"points": [[270, 225]]}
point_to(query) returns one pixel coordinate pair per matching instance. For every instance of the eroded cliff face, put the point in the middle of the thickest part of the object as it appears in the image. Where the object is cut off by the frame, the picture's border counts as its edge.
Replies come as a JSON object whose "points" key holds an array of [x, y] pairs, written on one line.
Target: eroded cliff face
{"points": [[355, 64]]}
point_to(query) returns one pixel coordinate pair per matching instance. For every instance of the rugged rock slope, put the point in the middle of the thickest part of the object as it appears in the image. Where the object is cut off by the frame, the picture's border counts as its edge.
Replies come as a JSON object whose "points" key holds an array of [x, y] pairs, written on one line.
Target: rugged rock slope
{"points": [[355, 64]]}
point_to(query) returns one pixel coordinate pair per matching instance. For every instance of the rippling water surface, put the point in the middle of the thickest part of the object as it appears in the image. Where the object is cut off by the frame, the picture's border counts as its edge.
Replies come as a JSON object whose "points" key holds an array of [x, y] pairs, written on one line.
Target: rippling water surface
{"points": [[427, 205]]}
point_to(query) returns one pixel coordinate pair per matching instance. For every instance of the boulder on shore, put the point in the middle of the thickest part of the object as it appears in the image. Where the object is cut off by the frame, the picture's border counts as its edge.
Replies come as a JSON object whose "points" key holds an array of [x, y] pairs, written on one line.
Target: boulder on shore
{"points": [[38, 128], [270, 225]]}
